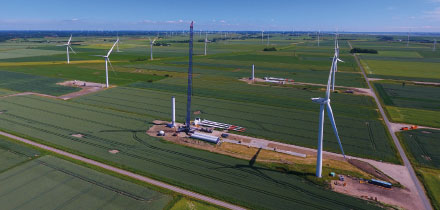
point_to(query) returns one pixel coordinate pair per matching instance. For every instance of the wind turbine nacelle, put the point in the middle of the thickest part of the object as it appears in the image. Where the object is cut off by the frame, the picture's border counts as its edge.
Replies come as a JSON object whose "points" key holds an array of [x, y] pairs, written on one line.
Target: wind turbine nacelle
{"points": [[319, 100]]}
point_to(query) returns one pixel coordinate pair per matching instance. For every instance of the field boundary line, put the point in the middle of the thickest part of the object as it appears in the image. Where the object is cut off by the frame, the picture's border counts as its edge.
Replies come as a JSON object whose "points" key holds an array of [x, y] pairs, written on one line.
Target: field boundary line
{"points": [[406, 162], [127, 173]]}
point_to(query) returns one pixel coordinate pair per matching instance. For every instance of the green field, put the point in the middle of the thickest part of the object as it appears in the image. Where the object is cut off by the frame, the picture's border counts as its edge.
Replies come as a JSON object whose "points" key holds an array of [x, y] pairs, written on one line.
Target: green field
{"points": [[52, 183], [21, 82], [407, 103], [424, 146], [431, 180], [287, 119], [12, 154], [53, 122]]}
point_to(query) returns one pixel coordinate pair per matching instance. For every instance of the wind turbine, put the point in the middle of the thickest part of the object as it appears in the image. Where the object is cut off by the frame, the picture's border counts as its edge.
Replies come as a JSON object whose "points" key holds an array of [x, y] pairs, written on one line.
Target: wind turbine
{"points": [[206, 41], [325, 104], [262, 36], [435, 43], [107, 61], [67, 48], [318, 36], [407, 41], [335, 63], [151, 47]]}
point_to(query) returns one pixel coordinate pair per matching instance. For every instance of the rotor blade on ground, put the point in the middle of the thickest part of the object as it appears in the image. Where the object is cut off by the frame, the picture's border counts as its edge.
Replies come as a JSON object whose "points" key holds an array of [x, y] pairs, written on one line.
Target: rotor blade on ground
{"points": [[332, 121]]}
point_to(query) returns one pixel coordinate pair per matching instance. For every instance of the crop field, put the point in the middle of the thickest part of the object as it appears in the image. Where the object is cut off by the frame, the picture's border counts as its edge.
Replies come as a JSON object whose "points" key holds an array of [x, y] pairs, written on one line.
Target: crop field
{"points": [[416, 70], [407, 103], [431, 180], [52, 183], [424, 146], [12, 154], [410, 96], [21, 82], [54, 122], [287, 119]]}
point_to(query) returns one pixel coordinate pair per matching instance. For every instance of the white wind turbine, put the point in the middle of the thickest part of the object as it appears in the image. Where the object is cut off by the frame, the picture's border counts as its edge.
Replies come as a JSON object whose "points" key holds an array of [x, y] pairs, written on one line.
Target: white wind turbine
{"points": [[325, 104], [435, 43], [151, 47], [107, 61], [67, 49], [335, 63], [206, 42]]}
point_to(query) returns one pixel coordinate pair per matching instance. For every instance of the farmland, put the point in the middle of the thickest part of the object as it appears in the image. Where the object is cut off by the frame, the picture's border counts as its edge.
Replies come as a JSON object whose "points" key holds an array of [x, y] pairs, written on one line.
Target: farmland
{"points": [[416, 104], [33, 185], [53, 122], [422, 145], [287, 122]]}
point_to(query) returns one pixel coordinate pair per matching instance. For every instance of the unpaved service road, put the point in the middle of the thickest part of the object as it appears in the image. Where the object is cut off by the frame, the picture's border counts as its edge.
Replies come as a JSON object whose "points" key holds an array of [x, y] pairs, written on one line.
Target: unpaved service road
{"points": [[127, 173]]}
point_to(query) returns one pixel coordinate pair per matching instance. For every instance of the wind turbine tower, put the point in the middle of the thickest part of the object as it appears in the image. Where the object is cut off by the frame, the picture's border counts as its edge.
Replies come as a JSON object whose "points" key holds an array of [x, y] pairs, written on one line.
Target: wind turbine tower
{"points": [[407, 41], [435, 43], [107, 61], [189, 93], [206, 42], [151, 47], [325, 104], [318, 36], [262, 37], [67, 49]]}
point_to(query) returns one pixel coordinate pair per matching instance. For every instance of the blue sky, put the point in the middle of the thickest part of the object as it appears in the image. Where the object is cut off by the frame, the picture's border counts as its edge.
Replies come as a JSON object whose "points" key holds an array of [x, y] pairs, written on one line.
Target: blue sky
{"points": [[344, 15]]}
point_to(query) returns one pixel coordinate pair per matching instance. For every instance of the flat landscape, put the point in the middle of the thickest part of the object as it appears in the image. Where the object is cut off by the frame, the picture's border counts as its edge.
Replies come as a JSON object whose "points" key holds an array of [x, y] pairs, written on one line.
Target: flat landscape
{"points": [[110, 125]]}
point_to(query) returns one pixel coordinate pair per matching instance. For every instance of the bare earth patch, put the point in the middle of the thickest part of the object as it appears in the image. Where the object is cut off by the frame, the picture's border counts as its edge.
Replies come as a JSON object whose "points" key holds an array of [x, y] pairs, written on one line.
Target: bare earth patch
{"points": [[114, 151], [86, 88], [78, 135], [245, 147]]}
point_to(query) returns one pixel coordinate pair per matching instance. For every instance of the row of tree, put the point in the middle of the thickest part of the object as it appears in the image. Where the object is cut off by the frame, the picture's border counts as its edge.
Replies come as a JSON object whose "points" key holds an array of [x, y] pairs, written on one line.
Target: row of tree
{"points": [[360, 50]]}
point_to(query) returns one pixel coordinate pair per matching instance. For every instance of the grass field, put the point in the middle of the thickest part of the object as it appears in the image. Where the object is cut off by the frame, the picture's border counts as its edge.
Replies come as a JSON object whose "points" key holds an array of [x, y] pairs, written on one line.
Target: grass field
{"points": [[407, 69], [424, 146], [286, 118], [185, 204], [431, 180], [21, 82], [414, 104], [12, 154], [36, 184], [54, 122]]}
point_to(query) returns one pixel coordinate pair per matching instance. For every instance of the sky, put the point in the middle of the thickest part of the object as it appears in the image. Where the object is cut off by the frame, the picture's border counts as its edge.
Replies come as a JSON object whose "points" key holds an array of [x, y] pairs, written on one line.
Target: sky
{"points": [[224, 15]]}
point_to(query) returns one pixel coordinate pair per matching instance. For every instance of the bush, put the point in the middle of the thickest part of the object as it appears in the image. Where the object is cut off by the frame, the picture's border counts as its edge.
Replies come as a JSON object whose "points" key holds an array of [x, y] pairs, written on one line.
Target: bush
{"points": [[270, 49], [360, 50]]}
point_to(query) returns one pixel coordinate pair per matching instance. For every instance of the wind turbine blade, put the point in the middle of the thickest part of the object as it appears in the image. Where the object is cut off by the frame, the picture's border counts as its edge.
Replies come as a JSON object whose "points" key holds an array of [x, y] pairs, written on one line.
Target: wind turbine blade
{"points": [[110, 51], [71, 49], [111, 66], [332, 121], [68, 42]]}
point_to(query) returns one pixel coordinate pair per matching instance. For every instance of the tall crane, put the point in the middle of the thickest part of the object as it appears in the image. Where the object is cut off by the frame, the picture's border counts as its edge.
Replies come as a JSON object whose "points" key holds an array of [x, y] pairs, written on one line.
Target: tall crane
{"points": [[189, 93]]}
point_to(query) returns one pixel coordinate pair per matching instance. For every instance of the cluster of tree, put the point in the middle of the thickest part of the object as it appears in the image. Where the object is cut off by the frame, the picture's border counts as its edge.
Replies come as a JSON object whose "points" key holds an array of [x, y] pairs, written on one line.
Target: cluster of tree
{"points": [[385, 38], [360, 50], [161, 44], [270, 49]]}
